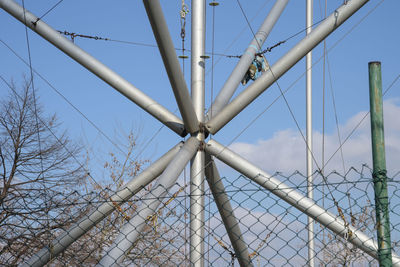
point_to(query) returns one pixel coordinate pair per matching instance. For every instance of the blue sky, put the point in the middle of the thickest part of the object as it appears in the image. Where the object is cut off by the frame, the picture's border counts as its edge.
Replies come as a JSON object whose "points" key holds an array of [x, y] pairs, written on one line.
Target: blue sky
{"points": [[273, 141], [374, 39]]}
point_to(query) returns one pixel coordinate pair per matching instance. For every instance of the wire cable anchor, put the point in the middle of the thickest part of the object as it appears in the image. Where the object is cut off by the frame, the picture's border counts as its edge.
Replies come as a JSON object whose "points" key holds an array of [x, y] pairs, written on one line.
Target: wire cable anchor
{"points": [[183, 12]]}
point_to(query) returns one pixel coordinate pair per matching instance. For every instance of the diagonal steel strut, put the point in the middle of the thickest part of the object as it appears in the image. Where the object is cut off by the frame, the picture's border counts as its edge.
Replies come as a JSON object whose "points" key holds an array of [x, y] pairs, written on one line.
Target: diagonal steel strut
{"points": [[132, 229], [296, 199], [171, 63], [246, 59], [225, 210], [95, 66], [318, 34]]}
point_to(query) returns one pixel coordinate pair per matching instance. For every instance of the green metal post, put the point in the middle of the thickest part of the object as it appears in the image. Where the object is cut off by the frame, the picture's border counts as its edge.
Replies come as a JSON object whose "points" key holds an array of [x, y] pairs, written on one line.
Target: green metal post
{"points": [[379, 165]]}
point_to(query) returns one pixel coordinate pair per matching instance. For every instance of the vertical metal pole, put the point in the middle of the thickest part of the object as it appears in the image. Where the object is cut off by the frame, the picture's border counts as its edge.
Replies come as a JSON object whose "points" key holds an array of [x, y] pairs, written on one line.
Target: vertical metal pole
{"points": [[379, 165], [197, 164], [310, 225]]}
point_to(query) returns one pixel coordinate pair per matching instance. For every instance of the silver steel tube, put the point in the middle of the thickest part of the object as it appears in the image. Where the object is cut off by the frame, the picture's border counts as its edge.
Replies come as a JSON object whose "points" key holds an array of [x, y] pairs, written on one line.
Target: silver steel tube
{"points": [[132, 229], [246, 59], [309, 163], [296, 199], [84, 225], [197, 210], [197, 164], [225, 210], [95, 66], [197, 57], [171, 63], [284, 64]]}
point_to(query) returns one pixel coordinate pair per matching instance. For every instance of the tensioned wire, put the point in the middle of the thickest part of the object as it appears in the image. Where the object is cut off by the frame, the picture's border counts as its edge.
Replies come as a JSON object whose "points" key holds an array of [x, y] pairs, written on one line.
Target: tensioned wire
{"points": [[323, 112], [32, 84], [211, 100], [337, 124], [363, 118], [260, 9], [325, 63], [47, 12], [183, 12], [268, 49]]}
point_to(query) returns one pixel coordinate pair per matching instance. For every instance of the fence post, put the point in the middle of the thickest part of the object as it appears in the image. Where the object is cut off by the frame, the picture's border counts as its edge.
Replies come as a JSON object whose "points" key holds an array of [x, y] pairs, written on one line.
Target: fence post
{"points": [[379, 165]]}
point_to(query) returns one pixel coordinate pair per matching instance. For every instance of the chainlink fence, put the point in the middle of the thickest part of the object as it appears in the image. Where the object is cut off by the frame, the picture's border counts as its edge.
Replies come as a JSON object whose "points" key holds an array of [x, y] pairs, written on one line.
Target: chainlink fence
{"points": [[275, 233]]}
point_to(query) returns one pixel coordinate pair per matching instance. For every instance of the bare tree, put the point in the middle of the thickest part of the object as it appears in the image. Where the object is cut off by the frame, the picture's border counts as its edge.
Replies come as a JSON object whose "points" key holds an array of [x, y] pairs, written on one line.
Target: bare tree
{"points": [[44, 190], [38, 172]]}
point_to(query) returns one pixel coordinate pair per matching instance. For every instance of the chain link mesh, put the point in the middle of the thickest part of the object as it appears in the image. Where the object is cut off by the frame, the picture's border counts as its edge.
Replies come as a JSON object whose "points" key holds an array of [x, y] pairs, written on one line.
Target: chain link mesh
{"points": [[274, 231]]}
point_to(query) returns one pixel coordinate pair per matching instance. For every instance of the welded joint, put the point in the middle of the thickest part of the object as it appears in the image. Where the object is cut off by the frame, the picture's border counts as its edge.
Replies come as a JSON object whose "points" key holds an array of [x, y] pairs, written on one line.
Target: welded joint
{"points": [[202, 146], [203, 129], [207, 128]]}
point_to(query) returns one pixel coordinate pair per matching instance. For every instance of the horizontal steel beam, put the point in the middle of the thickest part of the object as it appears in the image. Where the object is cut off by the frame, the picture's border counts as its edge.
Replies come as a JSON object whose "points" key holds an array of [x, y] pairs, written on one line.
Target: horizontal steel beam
{"points": [[318, 34], [95, 66], [62, 242], [296, 199]]}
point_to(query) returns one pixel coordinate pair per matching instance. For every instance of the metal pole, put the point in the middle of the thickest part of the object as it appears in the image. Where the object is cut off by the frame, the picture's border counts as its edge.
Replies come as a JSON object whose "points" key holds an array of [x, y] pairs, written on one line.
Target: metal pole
{"points": [[379, 163], [246, 59], [95, 66], [310, 225], [197, 164], [284, 64], [171, 63], [296, 199], [226, 212], [132, 229], [84, 225]]}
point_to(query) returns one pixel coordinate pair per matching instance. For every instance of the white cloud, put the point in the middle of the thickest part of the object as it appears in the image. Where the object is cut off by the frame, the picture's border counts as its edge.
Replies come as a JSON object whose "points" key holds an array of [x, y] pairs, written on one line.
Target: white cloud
{"points": [[286, 150]]}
